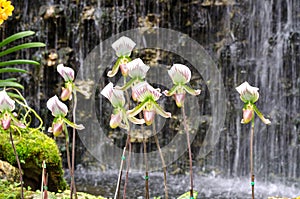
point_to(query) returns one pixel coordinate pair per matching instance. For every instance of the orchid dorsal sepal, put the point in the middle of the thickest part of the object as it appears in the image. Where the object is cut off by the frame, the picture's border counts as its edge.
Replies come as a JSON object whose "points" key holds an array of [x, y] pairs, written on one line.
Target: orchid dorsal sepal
{"points": [[6, 103], [66, 72], [57, 107], [123, 46], [261, 116], [114, 95], [248, 93], [180, 74], [137, 69]]}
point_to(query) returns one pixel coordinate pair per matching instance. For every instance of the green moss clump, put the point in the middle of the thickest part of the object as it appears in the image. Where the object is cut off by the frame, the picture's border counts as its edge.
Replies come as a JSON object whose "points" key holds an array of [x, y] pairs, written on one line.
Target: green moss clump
{"points": [[33, 147]]}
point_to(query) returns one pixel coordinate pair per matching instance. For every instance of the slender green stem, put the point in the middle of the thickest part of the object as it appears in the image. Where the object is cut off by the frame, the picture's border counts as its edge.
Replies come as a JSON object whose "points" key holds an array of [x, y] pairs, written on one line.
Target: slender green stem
{"points": [[73, 186], [128, 145], [117, 193], [189, 148], [146, 170], [68, 157], [18, 162], [162, 160], [251, 157]]}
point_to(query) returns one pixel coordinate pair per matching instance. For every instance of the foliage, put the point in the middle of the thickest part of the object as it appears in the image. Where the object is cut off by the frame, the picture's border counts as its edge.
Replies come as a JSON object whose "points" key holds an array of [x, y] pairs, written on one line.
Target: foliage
{"points": [[5, 50], [33, 147]]}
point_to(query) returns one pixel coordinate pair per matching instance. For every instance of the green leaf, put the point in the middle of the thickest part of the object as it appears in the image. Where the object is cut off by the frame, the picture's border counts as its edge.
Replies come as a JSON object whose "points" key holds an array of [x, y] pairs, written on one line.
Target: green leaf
{"points": [[187, 195], [14, 96], [18, 61], [12, 70], [22, 46], [9, 83], [15, 37]]}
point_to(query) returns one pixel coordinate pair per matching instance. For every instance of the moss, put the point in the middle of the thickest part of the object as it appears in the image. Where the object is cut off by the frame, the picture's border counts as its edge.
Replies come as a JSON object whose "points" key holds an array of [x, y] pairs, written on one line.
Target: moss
{"points": [[12, 191], [33, 147]]}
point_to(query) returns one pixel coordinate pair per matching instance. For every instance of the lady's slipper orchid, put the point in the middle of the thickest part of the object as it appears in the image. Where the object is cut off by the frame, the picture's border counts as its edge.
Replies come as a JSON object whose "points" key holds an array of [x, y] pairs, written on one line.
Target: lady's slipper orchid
{"points": [[137, 70], [180, 75], [56, 107], [117, 99], [147, 96], [66, 72], [6, 103], [249, 95], [123, 47], [66, 93]]}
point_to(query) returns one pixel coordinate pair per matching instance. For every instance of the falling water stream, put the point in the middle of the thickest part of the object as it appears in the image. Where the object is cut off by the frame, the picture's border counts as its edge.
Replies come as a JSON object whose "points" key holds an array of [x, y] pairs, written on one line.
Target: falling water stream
{"points": [[254, 41]]}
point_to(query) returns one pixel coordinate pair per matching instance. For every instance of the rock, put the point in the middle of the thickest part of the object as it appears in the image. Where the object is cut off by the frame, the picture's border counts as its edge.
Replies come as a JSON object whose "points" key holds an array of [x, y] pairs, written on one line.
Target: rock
{"points": [[33, 147], [8, 172]]}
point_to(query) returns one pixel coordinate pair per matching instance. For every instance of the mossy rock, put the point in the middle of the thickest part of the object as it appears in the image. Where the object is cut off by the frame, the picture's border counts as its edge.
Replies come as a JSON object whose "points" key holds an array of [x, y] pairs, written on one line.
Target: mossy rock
{"points": [[33, 147]]}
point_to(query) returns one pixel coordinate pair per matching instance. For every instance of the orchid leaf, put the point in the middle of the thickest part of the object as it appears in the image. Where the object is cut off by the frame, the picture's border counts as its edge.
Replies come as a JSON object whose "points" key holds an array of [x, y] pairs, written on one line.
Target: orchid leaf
{"points": [[18, 61], [12, 70], [9, 83], [22, 46], [16, 36], [187, 195]]}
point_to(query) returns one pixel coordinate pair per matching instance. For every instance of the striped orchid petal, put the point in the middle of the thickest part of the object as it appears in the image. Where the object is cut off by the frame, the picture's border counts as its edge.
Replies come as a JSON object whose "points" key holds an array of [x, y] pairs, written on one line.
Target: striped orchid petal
{"points": [[66, 72], [115, 96], [248, 93], [123, 46], [137, 69], [180, 74], [143, 91], [6, 103], [57, 107]]}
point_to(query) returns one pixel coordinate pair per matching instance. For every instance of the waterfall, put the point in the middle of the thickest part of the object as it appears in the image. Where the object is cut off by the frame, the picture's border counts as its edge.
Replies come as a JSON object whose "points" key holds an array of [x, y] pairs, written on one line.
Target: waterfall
{"points": [[254, 41]]}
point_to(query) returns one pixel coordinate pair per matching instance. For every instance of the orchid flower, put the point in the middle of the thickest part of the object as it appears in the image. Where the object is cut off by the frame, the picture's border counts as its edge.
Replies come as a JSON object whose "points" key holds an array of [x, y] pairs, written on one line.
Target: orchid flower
{"points": [[137, 70], [59, 110], [249, 95], [123, 47], [147, 96], [117, 99], [180, 75], [67, 74], [7, 105]]}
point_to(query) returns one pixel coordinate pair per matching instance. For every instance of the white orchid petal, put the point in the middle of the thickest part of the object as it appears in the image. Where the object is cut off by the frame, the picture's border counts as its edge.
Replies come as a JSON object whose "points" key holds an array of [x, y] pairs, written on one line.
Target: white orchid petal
{"points": [[143, 90], [115, 96], [180, 73], [6, 103], [123, 46], [248, 93], [66, 72], [137, 68], [57, 107]]}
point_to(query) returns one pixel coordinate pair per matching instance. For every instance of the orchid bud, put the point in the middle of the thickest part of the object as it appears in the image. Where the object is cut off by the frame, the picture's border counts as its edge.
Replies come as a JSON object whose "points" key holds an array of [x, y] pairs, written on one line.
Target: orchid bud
{"points": [[5, 122], [57, 128], [247, 115], [179, 99], [115, 120], [124, 70], [149, 116]]}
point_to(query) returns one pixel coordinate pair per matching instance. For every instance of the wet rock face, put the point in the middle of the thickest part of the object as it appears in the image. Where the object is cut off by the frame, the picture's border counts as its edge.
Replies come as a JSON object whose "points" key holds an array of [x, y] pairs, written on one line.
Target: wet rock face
{"points": [[247, 41], [9, 172]]}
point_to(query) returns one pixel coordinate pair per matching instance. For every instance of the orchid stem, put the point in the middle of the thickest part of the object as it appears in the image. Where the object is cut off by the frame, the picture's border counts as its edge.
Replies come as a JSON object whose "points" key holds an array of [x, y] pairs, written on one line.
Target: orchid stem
{"points": [[251, 156], [128, 143], [162, 160], [18, 162], [73, 186], [117, 195], [68, 157], [189, 148], [146, 172]]}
